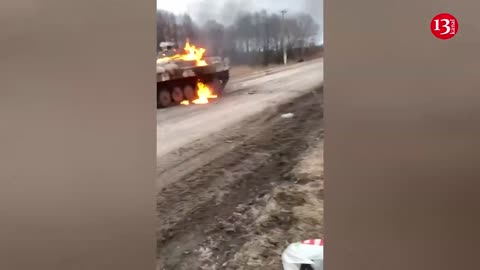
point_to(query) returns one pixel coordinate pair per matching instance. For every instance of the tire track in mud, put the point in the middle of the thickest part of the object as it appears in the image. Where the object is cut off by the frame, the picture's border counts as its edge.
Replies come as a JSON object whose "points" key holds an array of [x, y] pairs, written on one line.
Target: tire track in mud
{"points": [[196, 212]]}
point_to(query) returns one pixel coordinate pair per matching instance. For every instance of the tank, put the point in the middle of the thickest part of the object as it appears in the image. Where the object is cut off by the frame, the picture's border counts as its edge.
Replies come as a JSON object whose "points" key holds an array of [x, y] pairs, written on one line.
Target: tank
{"points": [[186, 77]]}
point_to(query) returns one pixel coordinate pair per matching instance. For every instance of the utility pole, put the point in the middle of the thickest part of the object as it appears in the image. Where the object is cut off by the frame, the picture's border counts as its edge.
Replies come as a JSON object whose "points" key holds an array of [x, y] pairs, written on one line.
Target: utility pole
{"points": [[284, 47]]}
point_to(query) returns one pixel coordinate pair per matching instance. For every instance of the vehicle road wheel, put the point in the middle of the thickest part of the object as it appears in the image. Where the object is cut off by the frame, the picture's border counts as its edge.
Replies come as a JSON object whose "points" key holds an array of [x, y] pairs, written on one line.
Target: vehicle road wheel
{"points": [[189, 92], [224, 83], [164, 99], [177, 94], [216, 85]]}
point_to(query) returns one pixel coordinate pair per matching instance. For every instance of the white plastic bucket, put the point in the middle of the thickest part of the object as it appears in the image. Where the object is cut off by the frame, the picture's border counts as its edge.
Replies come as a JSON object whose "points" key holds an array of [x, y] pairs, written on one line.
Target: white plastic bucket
{"points": [[308, 252]]}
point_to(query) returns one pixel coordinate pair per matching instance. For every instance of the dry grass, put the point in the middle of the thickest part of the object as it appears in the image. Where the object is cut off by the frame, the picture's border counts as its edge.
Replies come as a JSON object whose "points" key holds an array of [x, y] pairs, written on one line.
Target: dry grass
{"points": [[294, 212], [237, 71]]}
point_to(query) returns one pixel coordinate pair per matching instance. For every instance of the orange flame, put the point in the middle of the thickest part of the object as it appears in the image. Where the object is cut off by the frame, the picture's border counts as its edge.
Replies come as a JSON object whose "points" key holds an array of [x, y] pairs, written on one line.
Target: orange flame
{"points": [[204, 93], [192, 53]]}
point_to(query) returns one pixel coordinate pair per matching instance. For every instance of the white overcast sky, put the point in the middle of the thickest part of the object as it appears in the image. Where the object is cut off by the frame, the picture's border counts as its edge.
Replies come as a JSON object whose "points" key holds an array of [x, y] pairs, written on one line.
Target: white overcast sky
{"points": [[314, 7], [180, 6], [202, 10]]}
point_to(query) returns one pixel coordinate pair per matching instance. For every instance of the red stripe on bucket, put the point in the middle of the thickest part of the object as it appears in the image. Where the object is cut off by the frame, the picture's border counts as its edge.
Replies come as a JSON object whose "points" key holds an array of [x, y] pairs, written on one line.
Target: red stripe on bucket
{"points": [[314, 242]]}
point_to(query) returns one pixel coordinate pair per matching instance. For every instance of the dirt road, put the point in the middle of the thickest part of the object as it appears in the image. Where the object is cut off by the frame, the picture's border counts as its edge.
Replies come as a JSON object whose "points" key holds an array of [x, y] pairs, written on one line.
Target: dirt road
{"points": [[179, 126], [228, 173]]}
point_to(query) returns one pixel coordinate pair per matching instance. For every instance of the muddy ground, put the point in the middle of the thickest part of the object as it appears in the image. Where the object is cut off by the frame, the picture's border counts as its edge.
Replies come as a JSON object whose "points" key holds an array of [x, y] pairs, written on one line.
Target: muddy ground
{"points": [[262, 189]]}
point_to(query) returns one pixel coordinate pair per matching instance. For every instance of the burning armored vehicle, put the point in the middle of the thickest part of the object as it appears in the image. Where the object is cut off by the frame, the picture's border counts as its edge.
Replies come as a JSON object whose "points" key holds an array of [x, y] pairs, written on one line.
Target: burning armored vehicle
{"points": [[188, 77]]}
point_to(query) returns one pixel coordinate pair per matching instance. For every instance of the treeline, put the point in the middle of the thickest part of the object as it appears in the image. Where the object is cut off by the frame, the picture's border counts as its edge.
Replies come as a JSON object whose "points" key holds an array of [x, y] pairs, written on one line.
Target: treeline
{"points": [[253, 38]]}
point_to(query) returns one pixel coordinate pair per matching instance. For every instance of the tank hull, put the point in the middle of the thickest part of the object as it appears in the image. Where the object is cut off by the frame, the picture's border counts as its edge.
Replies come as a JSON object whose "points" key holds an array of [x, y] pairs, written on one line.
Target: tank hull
{"points": [[177, 80]]}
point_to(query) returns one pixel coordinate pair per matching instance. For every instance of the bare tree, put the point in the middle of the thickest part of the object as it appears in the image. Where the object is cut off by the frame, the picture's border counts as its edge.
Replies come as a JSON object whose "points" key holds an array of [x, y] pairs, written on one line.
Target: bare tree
{"points": [[215, 36], [275, 30], [167, 28], [308, 29], [173, 27], [245, 30], [252, 37], [160, 28], [264, 35], [189, 28]]}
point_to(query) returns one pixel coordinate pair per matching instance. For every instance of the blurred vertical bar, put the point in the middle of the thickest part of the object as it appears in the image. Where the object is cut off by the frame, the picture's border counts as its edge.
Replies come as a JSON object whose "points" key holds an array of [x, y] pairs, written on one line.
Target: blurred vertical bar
{"points": [[402, 150], [77, 140]]}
